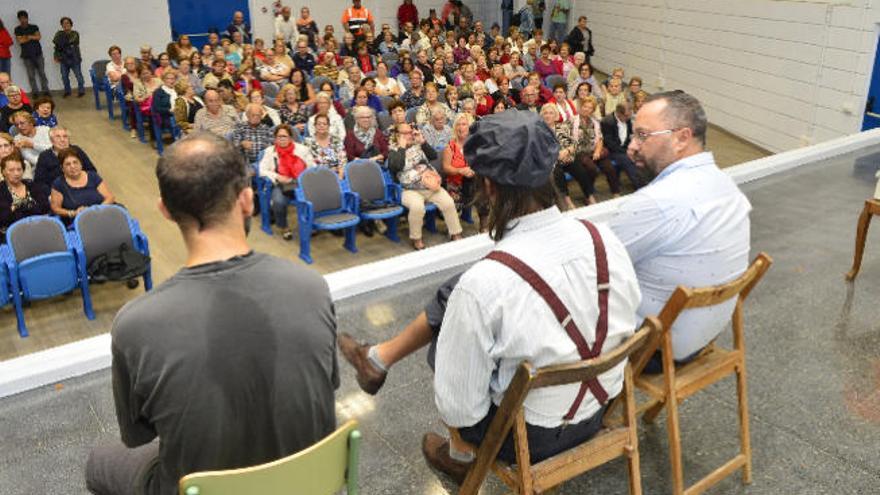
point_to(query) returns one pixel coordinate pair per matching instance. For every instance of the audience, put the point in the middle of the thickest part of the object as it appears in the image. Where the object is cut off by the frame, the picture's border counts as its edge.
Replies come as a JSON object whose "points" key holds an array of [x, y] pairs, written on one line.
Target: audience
{"points": [[216, 117], [590, 152], [187, 104], [44, 112], [365, 139], [327, 150], [253, 135], [19, 197], [460, 181], [437, 131], [324, 106], [13, 105], [617, 135], [76, 189]]}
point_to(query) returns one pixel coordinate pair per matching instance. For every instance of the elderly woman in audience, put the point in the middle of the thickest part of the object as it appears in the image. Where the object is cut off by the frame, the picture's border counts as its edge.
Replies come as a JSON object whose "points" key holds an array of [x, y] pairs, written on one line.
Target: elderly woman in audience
{"points": [[545, 95], [19, 197], [13, 106], [388, 45], [143, 89], [460, 181], [410, 163], [164, 63], [184, 71], [386, 86], [365, 140], [327, 150], [564, 59], [207, 57], [185, 49], [7, 146], [482, 100], [328, 89], [282, 164], [452, 100], [76, 189], [305, 91], [404, 71], [437, 131], [44, 112], [165, 96], [566, 108], [546, 66], [186, 105], [115, 67], [589, 151], [363, 96], [583, 94], [614, 96], [415, 96], [292, 111], [324, 106], [281, 54], [348, 48], [565, 161], [432, 102], [31, 140]]}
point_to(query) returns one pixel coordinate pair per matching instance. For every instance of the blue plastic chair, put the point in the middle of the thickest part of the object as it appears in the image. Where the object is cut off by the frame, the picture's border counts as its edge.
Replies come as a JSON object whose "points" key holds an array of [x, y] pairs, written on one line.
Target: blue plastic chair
{"points": [[110, 96], [159, 126], [102, 228], [139, 122], [96, 73], [322, 204], [119, 96], [365, 179], [5, 283], [42, 263]]}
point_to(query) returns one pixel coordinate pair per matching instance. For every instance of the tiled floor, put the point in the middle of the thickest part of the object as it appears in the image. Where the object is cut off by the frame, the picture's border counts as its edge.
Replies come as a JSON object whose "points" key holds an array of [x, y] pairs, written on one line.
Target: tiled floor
{"points": [[813, 356]]}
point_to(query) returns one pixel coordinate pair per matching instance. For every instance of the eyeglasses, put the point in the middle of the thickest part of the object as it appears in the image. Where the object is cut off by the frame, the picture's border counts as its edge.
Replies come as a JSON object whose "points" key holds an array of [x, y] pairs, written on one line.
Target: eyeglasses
{"points": [[642, 136]]}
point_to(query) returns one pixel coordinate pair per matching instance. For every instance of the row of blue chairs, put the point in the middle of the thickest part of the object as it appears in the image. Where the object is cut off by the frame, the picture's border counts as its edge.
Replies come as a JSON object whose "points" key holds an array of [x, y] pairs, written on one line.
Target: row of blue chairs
{"points": [[42, 259]]}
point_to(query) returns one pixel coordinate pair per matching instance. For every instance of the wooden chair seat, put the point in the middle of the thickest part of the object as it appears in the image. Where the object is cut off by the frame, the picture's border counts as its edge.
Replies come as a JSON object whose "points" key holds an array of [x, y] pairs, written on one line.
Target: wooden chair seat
{"points": [[526, 478], [706, 369]]}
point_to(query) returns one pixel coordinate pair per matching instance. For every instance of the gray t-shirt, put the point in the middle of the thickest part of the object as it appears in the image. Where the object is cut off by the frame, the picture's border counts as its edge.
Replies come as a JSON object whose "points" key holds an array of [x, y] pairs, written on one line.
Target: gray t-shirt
{"points": [[230, 364]]}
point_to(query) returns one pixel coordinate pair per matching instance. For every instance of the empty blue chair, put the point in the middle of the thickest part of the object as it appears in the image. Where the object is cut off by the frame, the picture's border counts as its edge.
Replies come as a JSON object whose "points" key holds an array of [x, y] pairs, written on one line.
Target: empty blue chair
{"points": [[96, 73], [380, 196], [101, 229], [322, 204], [41, 262]]}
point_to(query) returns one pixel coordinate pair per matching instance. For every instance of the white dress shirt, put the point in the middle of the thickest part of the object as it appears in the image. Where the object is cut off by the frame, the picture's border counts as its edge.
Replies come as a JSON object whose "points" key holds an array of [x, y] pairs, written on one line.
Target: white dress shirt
{"points": [[689, 226], [495, 320], [622, 130]]}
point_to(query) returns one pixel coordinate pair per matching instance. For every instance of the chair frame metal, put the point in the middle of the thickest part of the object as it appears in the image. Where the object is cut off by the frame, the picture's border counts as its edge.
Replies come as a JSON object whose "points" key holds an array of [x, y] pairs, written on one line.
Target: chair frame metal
{"points": [[392, 196], [306, 216]]}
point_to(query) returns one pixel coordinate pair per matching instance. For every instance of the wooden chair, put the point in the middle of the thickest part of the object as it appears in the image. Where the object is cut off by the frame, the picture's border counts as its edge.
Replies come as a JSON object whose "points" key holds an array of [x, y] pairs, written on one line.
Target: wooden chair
{"points": [[675, 384], [525, 478], [322, 469], [872, 207]]}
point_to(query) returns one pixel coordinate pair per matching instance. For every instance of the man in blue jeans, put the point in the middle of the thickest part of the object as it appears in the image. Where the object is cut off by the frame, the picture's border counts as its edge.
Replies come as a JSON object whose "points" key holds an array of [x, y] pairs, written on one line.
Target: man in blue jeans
{"points": [[559, 20], [506, 16], [28, 36], [67, 54]]}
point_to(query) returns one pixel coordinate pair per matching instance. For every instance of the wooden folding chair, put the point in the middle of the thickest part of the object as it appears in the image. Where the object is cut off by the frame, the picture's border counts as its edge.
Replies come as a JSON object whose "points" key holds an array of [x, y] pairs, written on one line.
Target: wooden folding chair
{"points": [[675, 384], [872, 207], [524, 478]]}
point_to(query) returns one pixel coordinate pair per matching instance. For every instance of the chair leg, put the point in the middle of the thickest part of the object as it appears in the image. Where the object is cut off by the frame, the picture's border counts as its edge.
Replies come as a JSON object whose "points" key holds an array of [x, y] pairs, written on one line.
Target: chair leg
{"points": [[17, 303], [744, 434], [652, 412], [629, 412], [350, 239], [305, 244], [861, 239], [265, 212], [97, 96], [87, 298], [148, 278], [674, 445], [391, 233]]}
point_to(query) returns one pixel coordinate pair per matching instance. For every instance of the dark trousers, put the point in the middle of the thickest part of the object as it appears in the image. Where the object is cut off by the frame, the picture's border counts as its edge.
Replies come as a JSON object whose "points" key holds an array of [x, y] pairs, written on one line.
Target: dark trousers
{"points": [[655, 364], [594, 168], [76, 68], [118, 470], [578, 172], [625, 165], [36, 71], [543, 442]]}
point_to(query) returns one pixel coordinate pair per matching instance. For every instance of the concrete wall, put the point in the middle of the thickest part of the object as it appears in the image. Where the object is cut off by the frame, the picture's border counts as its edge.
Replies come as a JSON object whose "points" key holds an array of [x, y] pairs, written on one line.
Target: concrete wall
{"points": [[781, 74], [100, 23]]}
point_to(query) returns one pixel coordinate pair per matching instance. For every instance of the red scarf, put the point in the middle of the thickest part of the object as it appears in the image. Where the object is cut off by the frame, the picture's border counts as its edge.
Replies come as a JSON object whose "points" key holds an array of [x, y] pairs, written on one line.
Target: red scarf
{"points": [[289, 165], [366, 63]]}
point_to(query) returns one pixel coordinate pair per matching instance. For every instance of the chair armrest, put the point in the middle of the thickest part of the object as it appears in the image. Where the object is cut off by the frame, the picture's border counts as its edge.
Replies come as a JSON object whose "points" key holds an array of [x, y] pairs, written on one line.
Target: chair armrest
{"points": [[305, 212], [393, 193], [351, 202]]}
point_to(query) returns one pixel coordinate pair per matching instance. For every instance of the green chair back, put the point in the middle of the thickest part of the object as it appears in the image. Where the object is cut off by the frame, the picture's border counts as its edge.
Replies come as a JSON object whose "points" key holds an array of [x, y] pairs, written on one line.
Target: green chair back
{"points": [[322, 469]]}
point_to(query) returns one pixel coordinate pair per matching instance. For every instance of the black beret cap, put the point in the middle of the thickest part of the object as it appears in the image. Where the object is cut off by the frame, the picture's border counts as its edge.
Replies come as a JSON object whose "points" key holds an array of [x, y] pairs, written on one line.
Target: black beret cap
{"points": [[513, 148]]}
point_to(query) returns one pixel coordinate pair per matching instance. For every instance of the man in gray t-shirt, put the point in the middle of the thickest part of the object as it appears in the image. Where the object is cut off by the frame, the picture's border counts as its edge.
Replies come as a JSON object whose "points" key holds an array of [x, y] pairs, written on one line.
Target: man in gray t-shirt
{"points": [[232, 361]]}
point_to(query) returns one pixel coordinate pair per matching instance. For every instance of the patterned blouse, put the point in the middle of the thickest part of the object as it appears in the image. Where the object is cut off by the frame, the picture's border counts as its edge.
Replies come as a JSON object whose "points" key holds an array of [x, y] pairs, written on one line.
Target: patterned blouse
{"points": [[300, 116], [332, 156], [563, 134]]}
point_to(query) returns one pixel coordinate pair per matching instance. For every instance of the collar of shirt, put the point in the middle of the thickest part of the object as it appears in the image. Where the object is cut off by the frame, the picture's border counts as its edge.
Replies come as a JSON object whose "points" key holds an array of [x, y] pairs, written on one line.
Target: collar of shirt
{"points": [[533, 221], [693, 161]]}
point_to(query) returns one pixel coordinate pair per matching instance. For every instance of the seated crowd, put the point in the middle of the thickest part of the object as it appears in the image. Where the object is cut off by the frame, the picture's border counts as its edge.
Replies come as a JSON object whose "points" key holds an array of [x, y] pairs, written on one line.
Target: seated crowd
{"points": [[369, 87]]}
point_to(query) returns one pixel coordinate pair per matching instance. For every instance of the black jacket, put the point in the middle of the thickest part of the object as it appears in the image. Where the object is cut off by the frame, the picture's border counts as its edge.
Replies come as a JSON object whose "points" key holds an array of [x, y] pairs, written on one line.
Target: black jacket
{"points": [[578, 43], [611, 138]]}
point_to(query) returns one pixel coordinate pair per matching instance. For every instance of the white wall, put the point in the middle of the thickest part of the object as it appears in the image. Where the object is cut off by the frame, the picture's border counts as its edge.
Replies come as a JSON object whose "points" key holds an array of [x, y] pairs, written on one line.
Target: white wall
{"points": [[100, 23], [781, 74]]}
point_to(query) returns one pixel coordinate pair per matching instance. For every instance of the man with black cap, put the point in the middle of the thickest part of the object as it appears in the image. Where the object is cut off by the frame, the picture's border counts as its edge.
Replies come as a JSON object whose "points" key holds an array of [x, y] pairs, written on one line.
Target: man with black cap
{"points": [[494, 318]]}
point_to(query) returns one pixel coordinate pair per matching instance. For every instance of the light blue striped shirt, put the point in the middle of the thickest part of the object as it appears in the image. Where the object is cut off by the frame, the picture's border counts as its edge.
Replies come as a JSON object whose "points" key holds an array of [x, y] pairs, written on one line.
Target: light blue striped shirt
{"points": [[689, 226]]}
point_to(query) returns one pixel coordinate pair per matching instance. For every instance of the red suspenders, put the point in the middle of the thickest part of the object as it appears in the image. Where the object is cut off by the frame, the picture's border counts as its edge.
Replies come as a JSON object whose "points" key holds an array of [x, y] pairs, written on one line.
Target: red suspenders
{"points": [[564, 316]]}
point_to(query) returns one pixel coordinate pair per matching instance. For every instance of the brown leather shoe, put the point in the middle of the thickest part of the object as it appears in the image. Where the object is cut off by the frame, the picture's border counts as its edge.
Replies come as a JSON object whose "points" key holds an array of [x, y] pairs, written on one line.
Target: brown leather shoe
{"points": [[369, 377], [436, 451]]}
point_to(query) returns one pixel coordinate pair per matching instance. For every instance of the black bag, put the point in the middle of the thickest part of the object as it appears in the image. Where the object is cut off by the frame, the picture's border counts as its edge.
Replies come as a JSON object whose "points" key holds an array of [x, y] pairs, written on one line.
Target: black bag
{"points": [[123, 263]]}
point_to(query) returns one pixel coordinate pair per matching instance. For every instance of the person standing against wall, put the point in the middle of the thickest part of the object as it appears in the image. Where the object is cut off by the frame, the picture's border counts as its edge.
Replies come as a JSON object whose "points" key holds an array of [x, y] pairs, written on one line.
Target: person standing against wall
{"points": [[506, 16], [28, 37], [5, 49], [559, 20], [67, 54], [538, 8]]}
